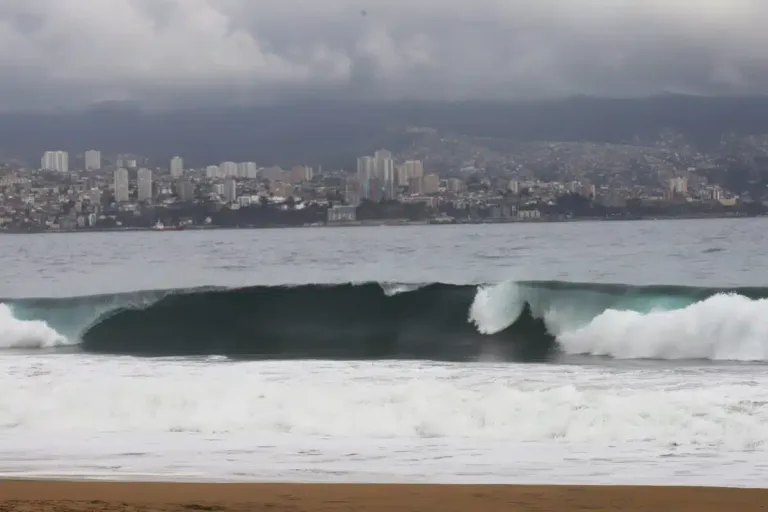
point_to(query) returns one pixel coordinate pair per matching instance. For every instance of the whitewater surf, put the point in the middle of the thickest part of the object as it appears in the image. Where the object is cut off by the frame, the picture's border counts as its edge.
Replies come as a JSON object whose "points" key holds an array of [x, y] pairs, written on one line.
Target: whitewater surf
{"points": [[515, 321]]}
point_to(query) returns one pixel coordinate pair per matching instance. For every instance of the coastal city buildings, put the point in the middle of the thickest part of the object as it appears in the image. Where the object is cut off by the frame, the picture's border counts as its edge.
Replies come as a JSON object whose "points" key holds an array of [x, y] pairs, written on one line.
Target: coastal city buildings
{"points": [[678, 186], [144, 185], [177, 167], [366, 168], [92, 160], [377, 176], [121, 186], [435, 179], [229, 190], [410, 170], [227, 169], [57, 161], [247, 170]]}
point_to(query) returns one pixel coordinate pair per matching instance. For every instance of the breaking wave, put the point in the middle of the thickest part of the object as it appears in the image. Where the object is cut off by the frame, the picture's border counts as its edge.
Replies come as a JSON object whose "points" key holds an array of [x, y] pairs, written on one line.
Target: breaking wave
{"points": [[15, 333], [521, 321]]}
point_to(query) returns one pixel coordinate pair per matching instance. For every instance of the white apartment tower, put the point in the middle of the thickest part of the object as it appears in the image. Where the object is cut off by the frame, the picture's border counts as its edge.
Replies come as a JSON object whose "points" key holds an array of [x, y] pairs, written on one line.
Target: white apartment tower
{"points": [[228, 169], [385, 171], [121, 185], [431, 184], [366, 168], [92, 160], [409, 170], [177, 167], [55, 161], [385, 166], [144, 185], [247, 170]]}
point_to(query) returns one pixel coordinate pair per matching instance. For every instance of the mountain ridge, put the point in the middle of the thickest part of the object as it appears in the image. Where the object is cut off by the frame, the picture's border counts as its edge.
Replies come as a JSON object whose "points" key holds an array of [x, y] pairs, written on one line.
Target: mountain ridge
{"points": [[334, 133]]}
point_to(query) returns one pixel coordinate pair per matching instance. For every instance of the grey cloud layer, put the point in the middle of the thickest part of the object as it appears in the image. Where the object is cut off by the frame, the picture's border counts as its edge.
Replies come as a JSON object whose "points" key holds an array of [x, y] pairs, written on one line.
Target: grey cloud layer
{"points": [[66, 52]]}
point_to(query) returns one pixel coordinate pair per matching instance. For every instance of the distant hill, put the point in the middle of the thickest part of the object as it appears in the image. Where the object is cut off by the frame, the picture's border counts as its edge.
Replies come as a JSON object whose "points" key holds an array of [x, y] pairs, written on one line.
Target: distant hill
{"points": [[335, 133]]}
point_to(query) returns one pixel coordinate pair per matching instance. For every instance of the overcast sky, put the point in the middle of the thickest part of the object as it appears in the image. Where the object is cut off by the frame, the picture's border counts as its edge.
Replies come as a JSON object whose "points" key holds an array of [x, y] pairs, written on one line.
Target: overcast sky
{"points": [[72, 52]]}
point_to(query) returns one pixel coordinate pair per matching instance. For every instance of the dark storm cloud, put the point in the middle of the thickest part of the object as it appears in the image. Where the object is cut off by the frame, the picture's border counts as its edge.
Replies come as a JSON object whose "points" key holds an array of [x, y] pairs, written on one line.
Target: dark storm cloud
{"points": [[71, 52]]}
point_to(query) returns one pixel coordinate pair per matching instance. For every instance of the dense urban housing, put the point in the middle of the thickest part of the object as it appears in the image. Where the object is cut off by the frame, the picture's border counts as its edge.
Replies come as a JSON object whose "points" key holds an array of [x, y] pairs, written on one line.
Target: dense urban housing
{"points": [[435, 179]]}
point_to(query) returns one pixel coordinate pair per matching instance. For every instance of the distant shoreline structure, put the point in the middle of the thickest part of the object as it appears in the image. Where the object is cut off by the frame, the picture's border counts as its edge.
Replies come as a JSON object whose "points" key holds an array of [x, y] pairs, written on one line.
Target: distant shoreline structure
{"points": [[383, 223]]}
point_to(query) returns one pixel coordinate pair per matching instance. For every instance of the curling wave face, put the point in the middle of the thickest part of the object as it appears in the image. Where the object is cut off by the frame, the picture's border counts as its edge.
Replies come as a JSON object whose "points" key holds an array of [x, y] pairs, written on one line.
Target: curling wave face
{"points": [[521, 321]]}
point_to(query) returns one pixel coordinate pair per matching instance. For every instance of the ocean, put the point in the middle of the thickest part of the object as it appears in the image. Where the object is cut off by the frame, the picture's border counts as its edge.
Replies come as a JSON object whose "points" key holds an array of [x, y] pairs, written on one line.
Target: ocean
{"points": [[584, 352]]}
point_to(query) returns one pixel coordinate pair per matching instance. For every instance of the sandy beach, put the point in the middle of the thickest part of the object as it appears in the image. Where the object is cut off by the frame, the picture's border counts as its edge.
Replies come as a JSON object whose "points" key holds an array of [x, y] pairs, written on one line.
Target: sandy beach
{"points": [[80, 496]]}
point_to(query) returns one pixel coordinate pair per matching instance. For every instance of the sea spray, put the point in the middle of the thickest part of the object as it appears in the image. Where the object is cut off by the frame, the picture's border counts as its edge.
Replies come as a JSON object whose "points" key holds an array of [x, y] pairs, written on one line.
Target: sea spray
{"points": [[722, 327], [26, 334]]}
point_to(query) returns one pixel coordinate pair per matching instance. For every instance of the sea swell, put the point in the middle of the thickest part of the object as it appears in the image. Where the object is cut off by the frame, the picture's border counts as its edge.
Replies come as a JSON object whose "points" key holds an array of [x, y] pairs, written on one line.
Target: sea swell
{"points": [[515, 321]]}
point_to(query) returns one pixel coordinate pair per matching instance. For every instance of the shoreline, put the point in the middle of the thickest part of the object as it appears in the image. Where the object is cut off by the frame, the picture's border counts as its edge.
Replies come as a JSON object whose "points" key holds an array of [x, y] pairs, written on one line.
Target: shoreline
{"points": [[22, 495], [384, 223]]}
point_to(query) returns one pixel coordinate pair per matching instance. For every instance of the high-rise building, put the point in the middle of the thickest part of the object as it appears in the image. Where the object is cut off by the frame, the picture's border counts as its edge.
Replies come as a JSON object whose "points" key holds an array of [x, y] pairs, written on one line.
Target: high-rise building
{"points": [[385, 166], [431, 184], [122, 190], [92, 160], [247, 170], [55, 161], [177, 167], [385, 172], [212, 171], [228, 169], [379, 168], [366, 168], [230, 190], [144, 185], [411, 169]]}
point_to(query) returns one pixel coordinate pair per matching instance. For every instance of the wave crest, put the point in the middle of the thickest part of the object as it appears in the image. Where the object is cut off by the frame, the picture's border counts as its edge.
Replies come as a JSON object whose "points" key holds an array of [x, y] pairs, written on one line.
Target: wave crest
{"points": [[521, 321]]}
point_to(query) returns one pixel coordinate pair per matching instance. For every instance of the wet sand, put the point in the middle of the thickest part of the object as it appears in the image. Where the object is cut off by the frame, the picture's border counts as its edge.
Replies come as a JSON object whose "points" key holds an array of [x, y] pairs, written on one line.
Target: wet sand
{"points": [[81, 496]]}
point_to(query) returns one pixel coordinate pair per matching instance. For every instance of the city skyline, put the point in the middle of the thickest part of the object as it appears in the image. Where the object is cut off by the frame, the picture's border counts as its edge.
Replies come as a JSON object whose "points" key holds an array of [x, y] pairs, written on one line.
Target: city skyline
{"points": [[377, 177], [478, 184]]}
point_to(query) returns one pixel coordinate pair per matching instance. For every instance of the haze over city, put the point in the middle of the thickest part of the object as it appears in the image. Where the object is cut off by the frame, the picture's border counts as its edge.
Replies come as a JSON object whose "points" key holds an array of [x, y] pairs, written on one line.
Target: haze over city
{"points": [[202, 113]]}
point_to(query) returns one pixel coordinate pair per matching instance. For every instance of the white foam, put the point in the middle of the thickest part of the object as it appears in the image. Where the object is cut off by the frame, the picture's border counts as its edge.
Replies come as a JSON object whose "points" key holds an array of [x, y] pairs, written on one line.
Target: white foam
{"points": [[299, 420], [515, 403], [496, 307], [15, 333], [727, 327], [722, 327], [392, 289]]}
